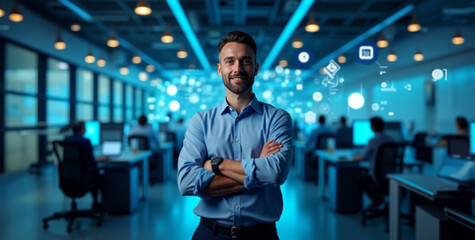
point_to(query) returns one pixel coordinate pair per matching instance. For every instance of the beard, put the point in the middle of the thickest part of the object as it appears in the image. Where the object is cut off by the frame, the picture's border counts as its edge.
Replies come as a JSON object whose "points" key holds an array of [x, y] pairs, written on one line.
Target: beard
{"points": [[240, 87]]}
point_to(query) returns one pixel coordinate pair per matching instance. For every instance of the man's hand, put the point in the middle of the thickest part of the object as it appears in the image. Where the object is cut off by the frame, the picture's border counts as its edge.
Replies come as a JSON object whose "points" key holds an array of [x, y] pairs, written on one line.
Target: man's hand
{"points": [[207, 165], [270, 148]]}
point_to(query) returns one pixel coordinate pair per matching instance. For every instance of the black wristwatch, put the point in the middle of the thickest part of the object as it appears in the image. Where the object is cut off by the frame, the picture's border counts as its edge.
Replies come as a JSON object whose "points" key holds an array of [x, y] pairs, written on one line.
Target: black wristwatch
{"points": [[215, 164]]}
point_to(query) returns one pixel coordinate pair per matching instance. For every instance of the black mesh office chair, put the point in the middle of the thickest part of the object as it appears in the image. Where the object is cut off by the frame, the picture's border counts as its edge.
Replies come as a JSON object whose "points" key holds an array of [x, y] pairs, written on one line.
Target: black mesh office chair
{"points": [[154, 166], [74, 181], [422, 152], [389, 159]]}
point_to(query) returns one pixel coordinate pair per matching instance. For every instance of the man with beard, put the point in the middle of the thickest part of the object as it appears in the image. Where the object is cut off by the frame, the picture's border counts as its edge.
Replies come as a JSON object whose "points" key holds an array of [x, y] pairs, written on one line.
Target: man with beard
{"points": [[236, 155]]}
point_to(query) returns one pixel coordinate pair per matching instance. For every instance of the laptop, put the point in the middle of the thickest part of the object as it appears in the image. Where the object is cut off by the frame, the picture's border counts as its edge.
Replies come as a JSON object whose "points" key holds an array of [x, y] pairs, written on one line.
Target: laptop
{"points": [[111, 148]]}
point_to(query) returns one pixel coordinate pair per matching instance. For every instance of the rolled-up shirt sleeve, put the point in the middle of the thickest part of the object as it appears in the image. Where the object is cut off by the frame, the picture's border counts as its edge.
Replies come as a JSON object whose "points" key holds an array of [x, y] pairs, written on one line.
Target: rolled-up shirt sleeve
{"points": [[192, 177], [274, 169]]}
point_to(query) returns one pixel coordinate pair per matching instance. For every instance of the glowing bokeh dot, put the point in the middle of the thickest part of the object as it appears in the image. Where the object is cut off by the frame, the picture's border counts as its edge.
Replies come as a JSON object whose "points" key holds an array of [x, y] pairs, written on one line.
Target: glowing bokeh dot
{"points": [[356, 100]]}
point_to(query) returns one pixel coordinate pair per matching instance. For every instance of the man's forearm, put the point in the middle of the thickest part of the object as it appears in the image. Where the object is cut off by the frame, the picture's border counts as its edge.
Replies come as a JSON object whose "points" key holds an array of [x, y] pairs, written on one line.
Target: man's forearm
{"points": [[222, 185], [233, 169]]}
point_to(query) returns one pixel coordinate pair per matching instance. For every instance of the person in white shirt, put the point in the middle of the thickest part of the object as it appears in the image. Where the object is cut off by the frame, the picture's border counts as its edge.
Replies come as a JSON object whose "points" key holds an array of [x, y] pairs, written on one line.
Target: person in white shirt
{"points": [[144, 129]]}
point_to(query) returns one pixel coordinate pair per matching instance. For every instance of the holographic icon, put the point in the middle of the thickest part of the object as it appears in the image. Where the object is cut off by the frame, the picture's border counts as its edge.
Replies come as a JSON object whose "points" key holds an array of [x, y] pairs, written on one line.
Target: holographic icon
{"points": [[438, 74], [317, 96], [324, 108], [385, 88], [391, 113], [332, 68], [366, 52], [304, 57], [356, 100], [375, 107], [408, 87], [299, 86], [331, 85], [310, 117]]}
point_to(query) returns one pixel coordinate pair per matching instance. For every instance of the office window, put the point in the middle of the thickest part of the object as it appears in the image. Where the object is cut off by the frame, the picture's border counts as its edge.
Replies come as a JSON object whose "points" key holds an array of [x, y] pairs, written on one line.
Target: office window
{"points": [[138, 102], [129, 96], [104, 114], [21, 150], [20, 110], [104, 89], [21, 70], [84, 85], [84, 112], [57, 79], [118, 114], [57, 112], [118, 93], [129, 115]]}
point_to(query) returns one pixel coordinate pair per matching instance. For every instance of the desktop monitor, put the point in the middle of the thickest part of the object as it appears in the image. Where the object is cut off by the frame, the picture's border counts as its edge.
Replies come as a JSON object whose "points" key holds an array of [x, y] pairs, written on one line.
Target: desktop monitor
{"points": [[457, 146], [362, 132], [93, 130], [112, 132], [472, 138], [394, 130]]}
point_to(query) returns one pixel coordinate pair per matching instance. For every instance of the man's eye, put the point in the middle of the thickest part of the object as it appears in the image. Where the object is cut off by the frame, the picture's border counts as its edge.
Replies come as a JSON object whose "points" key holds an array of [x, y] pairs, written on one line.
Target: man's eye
{"points": [[228, 61], [247, 62]]}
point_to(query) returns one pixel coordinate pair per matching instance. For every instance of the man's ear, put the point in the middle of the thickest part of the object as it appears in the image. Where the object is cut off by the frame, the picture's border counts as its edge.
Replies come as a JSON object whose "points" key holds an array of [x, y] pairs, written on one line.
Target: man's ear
{"points": [[219, 70], [257, 69]]}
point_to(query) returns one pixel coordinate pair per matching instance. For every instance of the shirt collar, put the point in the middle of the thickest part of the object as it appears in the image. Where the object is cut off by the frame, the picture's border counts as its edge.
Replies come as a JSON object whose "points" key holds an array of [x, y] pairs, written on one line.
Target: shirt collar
{"points": [[254, 104]]}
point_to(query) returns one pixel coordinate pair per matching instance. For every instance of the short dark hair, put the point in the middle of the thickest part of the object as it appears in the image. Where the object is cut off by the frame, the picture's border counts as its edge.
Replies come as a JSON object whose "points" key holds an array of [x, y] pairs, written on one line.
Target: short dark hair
{"points": [[239, 37], [377, 123], [321, 119], [343, 120], [78, 126], [142, 120], [462, 122]]}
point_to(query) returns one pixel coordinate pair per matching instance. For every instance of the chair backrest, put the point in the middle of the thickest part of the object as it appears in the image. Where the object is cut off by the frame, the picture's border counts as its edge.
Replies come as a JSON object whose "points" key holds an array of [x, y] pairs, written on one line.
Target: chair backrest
{"points": [[322, 140], [143, 143], [457, 146], [422, 152], [74, 173], [344, 138], [389, 159]]}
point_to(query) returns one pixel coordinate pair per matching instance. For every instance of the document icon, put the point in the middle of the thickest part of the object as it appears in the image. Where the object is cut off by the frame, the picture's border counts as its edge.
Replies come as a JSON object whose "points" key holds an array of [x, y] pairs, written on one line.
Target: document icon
{"points": [[366, 52]]}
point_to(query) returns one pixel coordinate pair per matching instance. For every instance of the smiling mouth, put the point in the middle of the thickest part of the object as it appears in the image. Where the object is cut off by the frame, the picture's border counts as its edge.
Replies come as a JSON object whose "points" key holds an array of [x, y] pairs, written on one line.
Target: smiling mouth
{"points": [[239, 78]]}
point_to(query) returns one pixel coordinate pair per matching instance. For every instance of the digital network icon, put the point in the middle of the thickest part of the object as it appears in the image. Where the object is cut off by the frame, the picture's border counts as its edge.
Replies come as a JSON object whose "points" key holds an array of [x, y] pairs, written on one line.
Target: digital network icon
{"points": [[366, 52], [438, 74], [332, 68]]}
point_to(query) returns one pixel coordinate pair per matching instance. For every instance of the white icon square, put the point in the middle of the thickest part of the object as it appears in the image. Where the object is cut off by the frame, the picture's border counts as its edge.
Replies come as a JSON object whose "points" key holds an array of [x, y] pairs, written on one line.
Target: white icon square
{"points": [[366, 52]]}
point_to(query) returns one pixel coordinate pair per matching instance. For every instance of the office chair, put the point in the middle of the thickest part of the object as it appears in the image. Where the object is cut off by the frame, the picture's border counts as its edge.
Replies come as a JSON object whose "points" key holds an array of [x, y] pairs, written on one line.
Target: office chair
{"points": [[422, 152], [389, 159], [320, 144], [74, 181], [154, 166]]}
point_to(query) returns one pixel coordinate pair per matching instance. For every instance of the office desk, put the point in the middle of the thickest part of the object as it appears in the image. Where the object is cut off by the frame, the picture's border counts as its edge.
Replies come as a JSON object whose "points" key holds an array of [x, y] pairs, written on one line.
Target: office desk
{"points": [[338, 157], [127, 159], [466, 220], [166, 149], [428, 186]]}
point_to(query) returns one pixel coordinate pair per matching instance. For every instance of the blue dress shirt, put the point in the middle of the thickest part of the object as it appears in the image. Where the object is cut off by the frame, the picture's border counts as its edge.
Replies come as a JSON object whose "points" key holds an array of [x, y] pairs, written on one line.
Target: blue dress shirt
{"points": [[220, 131]]}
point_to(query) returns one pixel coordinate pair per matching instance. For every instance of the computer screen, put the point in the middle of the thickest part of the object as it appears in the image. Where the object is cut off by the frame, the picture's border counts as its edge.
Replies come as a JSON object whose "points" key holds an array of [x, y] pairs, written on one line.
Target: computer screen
{"points": [[111, 148], [457, 146], [93, 130], [394, 130], [472, 138], [112, 132], [362, 132]]}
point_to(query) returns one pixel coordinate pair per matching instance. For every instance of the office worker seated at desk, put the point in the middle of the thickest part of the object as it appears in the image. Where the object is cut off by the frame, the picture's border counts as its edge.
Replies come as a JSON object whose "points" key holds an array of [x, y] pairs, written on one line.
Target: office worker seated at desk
{"points": [[145, 130], [368, 182], [79, 128], [343, 136], [320, 130]]}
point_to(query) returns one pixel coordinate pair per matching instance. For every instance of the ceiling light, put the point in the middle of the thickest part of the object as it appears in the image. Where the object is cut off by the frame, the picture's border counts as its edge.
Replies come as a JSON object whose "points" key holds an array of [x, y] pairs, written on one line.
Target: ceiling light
{"points": [[297, 43], [90, 58], [136, 59], [2, 12], [312, 25], [150, 68], [341, 59], [167, 37], [124, 70], [75, 27], [418, 56], [414, 26], [143, 8], [382, 42], [392, 57], [182, 53], [143, 76], [283, 63], [112, 41], [101, 62], [15, 15], [59, 44], [458, 39]]}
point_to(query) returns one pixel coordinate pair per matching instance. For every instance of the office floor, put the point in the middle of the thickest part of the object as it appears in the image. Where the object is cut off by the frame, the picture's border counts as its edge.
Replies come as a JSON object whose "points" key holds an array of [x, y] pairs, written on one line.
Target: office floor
{"points": [[26, 199]]}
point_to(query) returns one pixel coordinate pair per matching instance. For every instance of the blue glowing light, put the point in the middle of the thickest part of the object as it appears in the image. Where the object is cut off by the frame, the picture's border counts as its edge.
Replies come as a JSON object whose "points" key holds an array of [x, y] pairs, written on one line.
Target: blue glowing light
{"points": [[180, 16], [76, 9], [289, 29]]}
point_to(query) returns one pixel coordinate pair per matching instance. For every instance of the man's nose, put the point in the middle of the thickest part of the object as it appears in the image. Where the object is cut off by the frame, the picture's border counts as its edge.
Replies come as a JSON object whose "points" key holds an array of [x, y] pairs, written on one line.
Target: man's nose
{"points": [[237, 67]]}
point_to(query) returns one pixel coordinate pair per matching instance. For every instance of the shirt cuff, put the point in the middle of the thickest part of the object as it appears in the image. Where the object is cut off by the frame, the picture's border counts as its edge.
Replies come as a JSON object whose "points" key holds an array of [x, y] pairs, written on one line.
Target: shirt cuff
{"points": [[203, 178], [249, 166]]}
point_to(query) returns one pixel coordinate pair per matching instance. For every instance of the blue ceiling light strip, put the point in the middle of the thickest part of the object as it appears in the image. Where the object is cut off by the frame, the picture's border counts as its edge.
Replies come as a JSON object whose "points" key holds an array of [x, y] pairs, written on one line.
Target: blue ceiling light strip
{"points": [[289, 29], [190, 35], [377, 28], [76, 9]]}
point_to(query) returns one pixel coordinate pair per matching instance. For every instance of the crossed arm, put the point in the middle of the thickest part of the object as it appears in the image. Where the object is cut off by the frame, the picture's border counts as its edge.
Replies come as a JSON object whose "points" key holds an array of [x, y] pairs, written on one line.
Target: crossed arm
{"points": [[232, 178]]}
